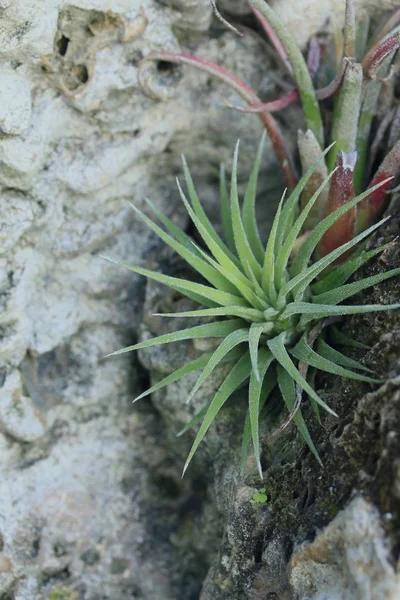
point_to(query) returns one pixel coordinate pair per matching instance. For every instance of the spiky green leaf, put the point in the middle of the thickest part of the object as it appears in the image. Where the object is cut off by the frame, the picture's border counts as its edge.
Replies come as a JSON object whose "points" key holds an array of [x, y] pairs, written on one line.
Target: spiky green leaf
{"points": [[346, 291], [242, 284], [190, 256], [302, 351], [268, 385], [338, 337], [268, 273], [255, 333], [288, 244], [191, 367], [201, 214], [265, 359], [229, 343], [278, 349], [242, 244], [288, 391], [311, 312], [300, 282], [249, 203], [225, 206], [291, 207], [249, 314], [237, 376], [342, 273], [307, 248], [219, 329], [175, 231], [187, 287], [223, 256], [194, 421], [337, 357]]}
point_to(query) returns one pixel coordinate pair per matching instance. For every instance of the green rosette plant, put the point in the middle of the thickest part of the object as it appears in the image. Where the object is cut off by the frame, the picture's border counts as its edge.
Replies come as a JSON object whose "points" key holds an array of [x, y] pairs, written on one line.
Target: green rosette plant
{"points": [[267, 305]]}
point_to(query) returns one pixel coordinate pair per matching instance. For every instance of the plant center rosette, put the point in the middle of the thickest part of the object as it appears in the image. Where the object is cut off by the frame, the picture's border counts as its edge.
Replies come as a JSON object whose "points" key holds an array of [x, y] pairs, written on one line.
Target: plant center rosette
{"points": [[267, 305]]}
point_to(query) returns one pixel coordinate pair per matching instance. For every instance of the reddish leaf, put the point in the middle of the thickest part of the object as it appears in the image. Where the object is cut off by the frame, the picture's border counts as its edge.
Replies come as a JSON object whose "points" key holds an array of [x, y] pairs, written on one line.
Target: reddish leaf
{"points": [[373, 206], [273, 37], [341, 192], [374, 58]]}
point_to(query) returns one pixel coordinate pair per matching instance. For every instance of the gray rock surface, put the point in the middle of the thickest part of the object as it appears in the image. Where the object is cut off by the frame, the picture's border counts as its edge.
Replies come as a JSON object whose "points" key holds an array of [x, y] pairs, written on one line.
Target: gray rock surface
{"points": [[349, 560], [317, 14], [91, 501]]}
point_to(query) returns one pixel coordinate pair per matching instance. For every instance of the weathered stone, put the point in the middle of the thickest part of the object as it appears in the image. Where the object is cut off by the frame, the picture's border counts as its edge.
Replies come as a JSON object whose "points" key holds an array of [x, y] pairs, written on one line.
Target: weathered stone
{"points": [[90, 499], [15, 103], [235, 7], [18, 417], [349, 560], [292, 14]]}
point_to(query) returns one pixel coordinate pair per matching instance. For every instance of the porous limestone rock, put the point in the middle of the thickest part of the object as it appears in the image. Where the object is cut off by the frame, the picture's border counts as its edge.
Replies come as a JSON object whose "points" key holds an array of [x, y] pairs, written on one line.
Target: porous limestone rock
{"points": [[349, 560], [308, 16], [15, 103], [90, 506], [18, 417]]}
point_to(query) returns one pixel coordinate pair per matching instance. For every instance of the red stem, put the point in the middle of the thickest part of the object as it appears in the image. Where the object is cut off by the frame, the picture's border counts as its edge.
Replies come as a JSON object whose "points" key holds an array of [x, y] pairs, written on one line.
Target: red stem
{"points": [[373, 59], [293, 96], [247, 94], [273, 37], [272, 106], [372, 207]]}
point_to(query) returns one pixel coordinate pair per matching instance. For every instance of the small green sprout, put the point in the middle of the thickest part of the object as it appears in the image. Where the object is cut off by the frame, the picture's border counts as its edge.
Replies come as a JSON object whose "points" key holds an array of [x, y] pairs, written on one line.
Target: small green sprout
{"points": [[260, 497], [268, 308]]}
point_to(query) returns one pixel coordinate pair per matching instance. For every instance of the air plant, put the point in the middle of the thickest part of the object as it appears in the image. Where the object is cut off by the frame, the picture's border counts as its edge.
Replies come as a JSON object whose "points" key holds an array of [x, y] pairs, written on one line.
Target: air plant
{"points": [[267, 310], [355, 91], [272, 308]]}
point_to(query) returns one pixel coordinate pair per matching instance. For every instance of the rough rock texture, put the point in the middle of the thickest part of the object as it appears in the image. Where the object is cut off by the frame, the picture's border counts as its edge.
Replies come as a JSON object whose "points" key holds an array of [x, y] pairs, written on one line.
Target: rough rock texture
{"points": [[317, 13], [91, 501], [349, 559]]}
